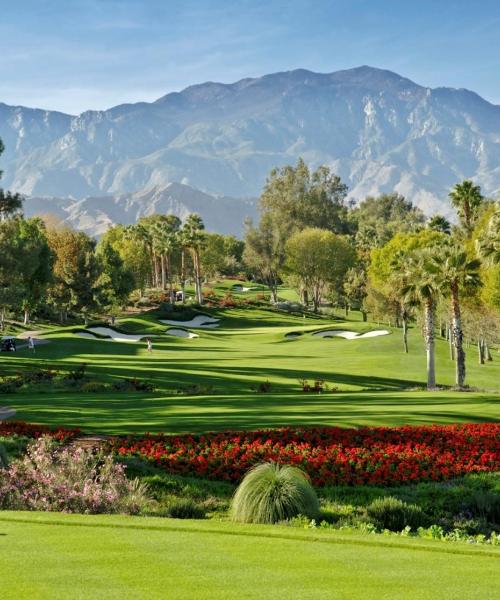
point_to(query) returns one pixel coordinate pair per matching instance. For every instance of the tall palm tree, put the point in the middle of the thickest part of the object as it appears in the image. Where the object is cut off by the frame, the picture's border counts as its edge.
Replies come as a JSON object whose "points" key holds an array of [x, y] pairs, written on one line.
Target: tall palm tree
{"points": [[466, 198], [421, 289], [166, 233], [454, 271], [193, 236]]}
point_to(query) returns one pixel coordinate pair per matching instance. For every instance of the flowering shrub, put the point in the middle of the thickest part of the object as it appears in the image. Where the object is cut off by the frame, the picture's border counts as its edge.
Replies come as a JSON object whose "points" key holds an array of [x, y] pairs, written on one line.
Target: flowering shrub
{"points": [[51, 478], [61, 434], [330, 455]]}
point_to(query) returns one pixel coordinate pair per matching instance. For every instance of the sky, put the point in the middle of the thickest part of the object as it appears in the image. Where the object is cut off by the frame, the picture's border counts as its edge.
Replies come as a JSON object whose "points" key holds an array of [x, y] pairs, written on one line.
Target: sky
{"points": [[75, 55]]}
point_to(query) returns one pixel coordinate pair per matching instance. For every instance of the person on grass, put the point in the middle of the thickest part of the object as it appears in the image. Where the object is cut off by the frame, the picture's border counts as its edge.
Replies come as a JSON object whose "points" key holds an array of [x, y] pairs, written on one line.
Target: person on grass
{"points": [[31, 344], [150, 345]]}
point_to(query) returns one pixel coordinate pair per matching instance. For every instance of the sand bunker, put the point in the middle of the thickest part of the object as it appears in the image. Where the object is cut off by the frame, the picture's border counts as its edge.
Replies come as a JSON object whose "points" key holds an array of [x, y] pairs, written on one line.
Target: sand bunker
{"points": [[242, 288], [6, 412], [350, 335], [292, 335], [182, 333], [200, 321], [116, 336]]}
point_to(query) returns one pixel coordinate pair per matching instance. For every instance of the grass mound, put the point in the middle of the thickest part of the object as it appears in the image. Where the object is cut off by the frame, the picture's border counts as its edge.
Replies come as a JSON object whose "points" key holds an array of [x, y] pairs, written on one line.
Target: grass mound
{"points": [[270, 493]]}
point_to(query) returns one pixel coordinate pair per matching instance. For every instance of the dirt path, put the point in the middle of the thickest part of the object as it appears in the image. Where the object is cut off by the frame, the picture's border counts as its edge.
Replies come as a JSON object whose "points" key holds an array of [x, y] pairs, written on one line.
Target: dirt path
{"points": [[37, 341]]}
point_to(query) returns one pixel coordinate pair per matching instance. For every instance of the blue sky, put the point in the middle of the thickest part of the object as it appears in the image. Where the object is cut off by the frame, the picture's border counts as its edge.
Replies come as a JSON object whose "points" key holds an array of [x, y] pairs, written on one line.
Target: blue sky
{"points": [[73, 55]]}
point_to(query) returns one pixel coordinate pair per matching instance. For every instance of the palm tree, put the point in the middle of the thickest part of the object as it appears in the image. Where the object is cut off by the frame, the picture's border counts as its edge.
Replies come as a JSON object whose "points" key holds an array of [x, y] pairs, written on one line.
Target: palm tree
{"points": [[421, 289], [466, 198], [439, 223], [454, 271], [166, 233], [193, 236]]}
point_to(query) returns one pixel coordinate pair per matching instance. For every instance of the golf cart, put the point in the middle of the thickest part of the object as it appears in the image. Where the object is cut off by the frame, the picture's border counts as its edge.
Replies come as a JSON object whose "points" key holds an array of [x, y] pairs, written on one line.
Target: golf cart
{"points": [[8, 344]]}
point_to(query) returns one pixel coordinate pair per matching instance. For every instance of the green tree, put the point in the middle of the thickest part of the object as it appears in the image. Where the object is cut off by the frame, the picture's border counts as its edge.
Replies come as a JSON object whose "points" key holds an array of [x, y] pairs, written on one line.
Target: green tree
{"points": [[318, 258], [115, 281], [193, 238], [439, 223], [264, 253], [455, 271], [10, 203], [379, 219], [355, 288], [388, 273], [421, 288], [466, 198]]}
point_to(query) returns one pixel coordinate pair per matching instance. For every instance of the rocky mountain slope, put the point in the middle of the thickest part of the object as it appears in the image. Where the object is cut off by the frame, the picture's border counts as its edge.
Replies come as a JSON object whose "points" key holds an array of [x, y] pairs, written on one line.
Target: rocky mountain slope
{"points": [[95, 214], [379, 131]]}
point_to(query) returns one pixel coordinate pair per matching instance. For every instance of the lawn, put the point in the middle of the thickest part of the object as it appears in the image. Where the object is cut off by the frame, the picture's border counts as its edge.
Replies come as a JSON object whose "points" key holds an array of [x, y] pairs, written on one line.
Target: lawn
{"points": [[211, 382], [56, 556]]}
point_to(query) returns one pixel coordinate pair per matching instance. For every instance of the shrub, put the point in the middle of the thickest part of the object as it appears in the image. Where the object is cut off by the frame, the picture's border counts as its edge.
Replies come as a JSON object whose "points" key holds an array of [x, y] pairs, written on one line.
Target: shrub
{"points": [[264, 387], [133, 385], [270, 493], [185, 508], [51, 478], [486, 505], [394, 514], [93, 387], [77, 374]]}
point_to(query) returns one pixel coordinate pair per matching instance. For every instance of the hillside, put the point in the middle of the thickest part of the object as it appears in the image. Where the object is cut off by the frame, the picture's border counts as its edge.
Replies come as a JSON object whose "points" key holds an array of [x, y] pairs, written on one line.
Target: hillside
{"points": [[379, 131]]}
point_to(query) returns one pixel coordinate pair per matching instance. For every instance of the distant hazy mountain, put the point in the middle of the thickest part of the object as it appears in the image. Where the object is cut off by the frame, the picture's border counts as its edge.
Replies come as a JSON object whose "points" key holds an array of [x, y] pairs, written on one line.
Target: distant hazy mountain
{"points": [[380, 132], [95, 214]]}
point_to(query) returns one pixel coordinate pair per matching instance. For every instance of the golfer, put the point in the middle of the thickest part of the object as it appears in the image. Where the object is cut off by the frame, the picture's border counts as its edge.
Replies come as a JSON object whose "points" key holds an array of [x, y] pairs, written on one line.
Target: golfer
{"points": [[150, 345], [31, 344]]}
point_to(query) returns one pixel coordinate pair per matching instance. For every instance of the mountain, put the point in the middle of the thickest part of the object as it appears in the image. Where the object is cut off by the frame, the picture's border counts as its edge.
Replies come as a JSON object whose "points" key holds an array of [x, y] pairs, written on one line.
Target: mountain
{"points": [[379, 131], [96, 214]]}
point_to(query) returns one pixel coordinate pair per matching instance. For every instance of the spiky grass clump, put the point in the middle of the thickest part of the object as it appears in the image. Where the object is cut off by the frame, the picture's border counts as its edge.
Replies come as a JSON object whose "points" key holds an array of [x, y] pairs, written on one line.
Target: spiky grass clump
{"points": [[270, 493]]}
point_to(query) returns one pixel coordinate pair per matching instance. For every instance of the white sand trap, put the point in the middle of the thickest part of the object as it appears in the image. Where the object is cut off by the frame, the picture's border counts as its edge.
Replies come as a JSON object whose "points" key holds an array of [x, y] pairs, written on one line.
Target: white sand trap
{"points": [[242, 288], [182, 333], [350, 335], [87, 336], [200, 321], [116, 336]]}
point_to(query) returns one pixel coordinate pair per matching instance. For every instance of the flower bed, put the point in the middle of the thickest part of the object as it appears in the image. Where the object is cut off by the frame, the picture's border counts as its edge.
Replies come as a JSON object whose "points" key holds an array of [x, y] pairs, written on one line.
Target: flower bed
{"points": [[9, 428], [330, 455]]}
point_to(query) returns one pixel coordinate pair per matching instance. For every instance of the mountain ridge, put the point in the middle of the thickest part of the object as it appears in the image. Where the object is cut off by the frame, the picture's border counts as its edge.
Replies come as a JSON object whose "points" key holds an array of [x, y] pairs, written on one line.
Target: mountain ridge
{"points": [[378, 130]]}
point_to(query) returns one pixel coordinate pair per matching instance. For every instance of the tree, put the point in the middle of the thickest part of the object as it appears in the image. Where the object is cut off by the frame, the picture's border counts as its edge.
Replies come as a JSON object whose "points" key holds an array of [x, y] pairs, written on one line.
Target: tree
{"points": [[115, 282], [166, 241], [439, 223], [296, 198], [455, 271], [318, 258], [422, 288], [488, 236], [10, 280], [466, 198], [221, 255], [10, 203], [379, 219], [388, 273], [133, 252], [193, 238], [75, 271], [355, 288]]}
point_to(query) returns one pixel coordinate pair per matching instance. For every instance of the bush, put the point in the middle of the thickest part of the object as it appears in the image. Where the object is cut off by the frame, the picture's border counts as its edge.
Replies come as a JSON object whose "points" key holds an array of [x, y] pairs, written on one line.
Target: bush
{"points": [[93, 387], [133, 385], [394, 514], [51, 478], [77, 374], [270, 493], [185, 508]]}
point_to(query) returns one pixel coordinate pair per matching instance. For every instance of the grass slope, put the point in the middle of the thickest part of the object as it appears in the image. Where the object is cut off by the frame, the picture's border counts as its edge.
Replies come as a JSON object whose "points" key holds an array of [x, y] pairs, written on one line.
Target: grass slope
{"points": [[210, 382], [53, 556]]}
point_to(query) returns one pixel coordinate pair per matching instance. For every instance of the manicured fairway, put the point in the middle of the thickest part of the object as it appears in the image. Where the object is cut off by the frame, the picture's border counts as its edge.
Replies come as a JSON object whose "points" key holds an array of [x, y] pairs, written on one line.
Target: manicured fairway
{"points": [[55, 556], [127, 413], [210, 382]]}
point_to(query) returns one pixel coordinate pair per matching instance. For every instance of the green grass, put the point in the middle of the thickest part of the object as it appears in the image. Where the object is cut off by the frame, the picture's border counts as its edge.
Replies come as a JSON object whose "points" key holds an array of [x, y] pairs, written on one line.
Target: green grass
{"points": [[54, 556], [210, 383]]}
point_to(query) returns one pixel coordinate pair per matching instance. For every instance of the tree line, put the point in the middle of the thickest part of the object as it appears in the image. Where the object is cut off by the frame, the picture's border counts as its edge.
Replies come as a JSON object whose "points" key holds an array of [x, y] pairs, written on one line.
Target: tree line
{"points": [[382, 257]]}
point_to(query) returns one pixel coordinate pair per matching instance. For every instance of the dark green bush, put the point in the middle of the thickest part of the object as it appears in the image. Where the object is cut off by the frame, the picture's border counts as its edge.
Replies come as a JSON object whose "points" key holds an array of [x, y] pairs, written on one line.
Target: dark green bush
{"points": [[270, 493], [394, 514], [185, 508]]}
